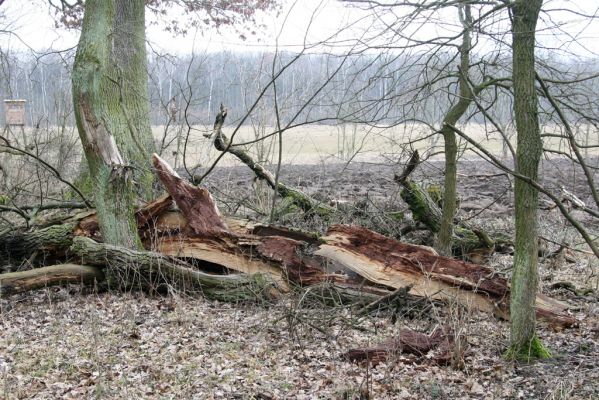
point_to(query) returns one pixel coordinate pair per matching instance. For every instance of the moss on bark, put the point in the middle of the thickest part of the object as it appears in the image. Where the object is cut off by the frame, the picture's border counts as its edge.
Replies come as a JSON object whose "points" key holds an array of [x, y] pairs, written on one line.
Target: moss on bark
{"points": [[110, 96], [527, 352]]}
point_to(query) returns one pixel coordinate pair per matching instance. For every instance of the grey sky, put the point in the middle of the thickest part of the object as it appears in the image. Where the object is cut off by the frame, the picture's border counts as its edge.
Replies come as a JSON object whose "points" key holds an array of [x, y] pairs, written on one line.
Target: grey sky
{"points": [[34, 26]]}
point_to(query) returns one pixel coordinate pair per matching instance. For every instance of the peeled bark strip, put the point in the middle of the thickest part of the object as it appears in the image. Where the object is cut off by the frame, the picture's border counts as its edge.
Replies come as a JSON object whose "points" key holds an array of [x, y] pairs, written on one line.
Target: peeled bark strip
{"points": [[150, 268], [387, 262], [24, 281]]}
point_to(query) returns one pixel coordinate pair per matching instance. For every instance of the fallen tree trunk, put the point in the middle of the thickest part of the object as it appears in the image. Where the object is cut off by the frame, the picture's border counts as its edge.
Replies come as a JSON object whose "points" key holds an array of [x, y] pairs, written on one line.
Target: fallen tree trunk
{"points": [[24, 281], [149, 269], [18, 246], [394, 264], [349, 259]]}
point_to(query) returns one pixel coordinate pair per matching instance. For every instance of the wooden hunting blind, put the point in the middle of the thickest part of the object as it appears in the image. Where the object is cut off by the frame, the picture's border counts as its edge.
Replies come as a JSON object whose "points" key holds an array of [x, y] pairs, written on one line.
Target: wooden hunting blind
{"points": [[14, 111]]}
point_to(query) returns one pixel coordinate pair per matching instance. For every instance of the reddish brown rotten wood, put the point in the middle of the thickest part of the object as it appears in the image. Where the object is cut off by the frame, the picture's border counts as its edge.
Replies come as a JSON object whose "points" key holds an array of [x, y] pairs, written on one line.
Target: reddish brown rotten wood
{"points": [[152, 210], [388, 262], [287, 253], [196, 204], [410, 342]]}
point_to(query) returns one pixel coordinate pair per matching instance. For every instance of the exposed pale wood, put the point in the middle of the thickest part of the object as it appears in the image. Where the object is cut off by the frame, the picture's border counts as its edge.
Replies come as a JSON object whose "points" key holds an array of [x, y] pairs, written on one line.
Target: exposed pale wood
{"points": [[155, 268], [387, 262], [222, 252]]}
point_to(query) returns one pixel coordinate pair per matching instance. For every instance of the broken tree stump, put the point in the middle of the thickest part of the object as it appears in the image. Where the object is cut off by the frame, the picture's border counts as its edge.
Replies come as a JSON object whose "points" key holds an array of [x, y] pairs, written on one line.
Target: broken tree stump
{"points": [[466, 241]]}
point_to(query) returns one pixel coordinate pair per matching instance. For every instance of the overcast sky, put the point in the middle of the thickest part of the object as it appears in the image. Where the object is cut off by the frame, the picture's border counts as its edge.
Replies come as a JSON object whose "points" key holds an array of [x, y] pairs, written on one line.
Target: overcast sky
{"points": [[34, 25]]}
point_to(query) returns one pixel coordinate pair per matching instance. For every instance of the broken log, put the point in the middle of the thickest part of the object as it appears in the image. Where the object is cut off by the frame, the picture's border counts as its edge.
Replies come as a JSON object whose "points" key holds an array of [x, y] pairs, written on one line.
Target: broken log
{"points": [[17, 246], [388, 262], [24, 281], [407, 341], [148, 269], [348, 259]]}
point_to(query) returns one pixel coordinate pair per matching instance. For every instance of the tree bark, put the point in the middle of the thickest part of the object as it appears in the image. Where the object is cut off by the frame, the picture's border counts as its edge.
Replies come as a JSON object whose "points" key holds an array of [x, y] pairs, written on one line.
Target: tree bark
{"points": [[127, 267], [445, 237], [18, 246], [297, 197], [24, 281], [129, 58], [465, 241], [110, 98], [523, 341]]}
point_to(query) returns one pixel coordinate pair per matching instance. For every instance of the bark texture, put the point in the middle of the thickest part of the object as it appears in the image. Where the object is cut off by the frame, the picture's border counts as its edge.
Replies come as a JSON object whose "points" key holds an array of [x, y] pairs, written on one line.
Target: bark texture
{"points": [[523, 341], [17, 246], [110, 102], [465, 240], [24, 281], [445, 237], [149, 270]]}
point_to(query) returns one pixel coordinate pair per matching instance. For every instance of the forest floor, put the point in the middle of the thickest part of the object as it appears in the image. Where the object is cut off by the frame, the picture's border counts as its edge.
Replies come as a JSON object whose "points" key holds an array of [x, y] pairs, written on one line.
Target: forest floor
{"points": [[73, 343]]}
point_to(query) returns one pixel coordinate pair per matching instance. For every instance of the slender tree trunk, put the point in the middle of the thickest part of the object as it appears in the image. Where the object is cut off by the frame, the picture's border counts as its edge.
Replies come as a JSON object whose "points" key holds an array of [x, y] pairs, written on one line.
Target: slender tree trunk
{"points": [[451, 148], [523, 342], [110, 100]]}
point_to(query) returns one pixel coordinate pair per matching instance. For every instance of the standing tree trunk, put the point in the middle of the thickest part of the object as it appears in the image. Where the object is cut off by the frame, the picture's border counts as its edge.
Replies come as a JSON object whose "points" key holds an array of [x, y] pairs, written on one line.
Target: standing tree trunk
{"points": [[524, 344], [110, 96], [451, 149], [130, 61]]}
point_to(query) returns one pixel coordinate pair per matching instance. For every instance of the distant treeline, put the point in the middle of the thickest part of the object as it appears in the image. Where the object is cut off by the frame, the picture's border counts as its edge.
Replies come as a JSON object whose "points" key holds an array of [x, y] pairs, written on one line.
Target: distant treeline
{"points": [[383, 89]]}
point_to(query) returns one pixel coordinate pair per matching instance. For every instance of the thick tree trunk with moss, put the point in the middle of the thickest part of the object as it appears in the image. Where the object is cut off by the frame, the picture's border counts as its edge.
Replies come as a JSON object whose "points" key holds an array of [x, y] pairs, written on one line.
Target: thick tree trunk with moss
{"points": [[17, 246], [146, 269], [523, 342], [444, 240], [110, 95], [130, 60]]}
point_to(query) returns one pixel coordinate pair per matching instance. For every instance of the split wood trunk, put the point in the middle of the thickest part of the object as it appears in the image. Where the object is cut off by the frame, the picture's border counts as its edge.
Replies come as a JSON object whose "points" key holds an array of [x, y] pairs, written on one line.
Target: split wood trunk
{"points": [[195, 249]]}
